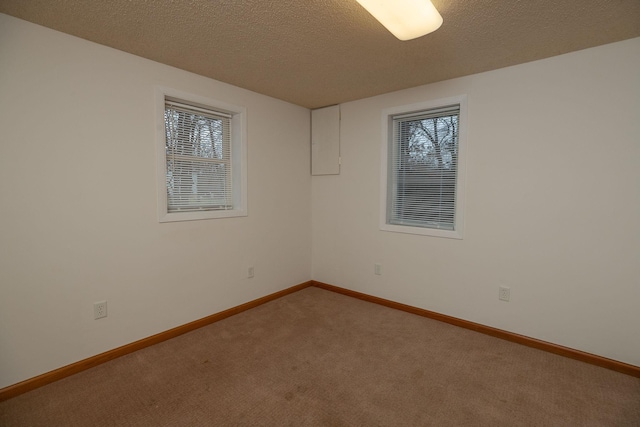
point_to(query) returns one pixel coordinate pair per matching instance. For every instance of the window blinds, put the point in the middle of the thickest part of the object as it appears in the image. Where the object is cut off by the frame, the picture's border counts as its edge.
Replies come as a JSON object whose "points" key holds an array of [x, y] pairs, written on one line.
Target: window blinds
{"points": [[198, 152], [423, 163]]}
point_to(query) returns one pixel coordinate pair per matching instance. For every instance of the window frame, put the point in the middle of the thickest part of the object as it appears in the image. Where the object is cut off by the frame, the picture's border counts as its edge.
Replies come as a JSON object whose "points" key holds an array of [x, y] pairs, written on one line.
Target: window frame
{"points": [[238, 155], [385, 167]]}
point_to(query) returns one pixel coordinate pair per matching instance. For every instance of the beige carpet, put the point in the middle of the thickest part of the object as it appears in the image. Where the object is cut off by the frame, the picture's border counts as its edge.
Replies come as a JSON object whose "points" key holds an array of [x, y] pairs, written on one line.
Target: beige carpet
{"points": [[316, 358]]}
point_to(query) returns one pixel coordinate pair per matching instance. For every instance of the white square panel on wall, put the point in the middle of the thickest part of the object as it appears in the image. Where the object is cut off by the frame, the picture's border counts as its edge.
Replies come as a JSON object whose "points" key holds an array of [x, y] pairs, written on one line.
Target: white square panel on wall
{"points": [[325, 141]]}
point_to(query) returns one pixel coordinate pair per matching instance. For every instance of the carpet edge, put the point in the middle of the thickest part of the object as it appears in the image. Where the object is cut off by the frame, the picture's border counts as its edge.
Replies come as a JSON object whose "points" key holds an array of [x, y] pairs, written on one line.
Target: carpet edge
{"points": [[560, 350], [82, 365]]}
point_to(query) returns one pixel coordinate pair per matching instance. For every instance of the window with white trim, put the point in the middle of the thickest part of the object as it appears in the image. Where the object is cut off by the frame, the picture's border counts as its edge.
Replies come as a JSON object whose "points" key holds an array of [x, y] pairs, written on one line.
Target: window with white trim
{"points": [[423, 169], [201, 158]]}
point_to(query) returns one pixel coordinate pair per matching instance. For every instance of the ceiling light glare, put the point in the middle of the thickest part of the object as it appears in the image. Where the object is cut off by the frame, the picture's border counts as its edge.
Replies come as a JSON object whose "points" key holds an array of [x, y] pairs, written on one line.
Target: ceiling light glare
{"points": [[405, 19]]}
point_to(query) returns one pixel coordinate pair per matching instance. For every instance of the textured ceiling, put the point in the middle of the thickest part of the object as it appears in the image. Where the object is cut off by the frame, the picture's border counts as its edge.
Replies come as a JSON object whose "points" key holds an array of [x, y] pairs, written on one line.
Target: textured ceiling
{"points": [[321, 52]]}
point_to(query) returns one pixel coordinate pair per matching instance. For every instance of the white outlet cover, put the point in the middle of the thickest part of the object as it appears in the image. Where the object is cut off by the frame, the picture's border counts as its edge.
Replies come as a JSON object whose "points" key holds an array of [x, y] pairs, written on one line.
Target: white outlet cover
{"points": [[99, 310], [377, 269], [504, 293]]}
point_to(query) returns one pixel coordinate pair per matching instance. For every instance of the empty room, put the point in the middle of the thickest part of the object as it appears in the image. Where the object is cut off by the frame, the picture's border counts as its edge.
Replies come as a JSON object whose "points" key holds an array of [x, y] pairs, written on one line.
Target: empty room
{"points": [[324, 212]]}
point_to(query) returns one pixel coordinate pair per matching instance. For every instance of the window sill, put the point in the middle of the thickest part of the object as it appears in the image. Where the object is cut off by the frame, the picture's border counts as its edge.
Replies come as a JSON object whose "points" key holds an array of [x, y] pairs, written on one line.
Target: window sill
{"points": [[433, 232], [200, 215]]}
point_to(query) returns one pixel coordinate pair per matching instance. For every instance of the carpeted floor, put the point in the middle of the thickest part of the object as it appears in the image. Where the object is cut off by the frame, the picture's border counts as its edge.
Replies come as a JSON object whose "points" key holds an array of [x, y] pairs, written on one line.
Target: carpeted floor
{"points": [[317, 358]]}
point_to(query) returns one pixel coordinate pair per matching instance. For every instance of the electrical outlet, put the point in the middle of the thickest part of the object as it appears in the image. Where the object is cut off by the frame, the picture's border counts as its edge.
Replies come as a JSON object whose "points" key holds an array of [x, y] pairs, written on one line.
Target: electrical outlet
{"points": [[377, 269], [504, 293], [250, 272], [99, 309]]}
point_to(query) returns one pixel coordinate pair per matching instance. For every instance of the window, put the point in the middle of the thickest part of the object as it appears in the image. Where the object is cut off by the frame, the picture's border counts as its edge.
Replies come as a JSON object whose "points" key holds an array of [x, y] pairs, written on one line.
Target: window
{"points": [[201, 158], [422, 188]]}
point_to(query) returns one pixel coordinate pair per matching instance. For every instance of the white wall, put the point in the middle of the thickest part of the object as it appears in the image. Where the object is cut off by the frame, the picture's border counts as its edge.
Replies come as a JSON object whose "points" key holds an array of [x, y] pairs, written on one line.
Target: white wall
{"points": [[78, 204], [552, 205]]}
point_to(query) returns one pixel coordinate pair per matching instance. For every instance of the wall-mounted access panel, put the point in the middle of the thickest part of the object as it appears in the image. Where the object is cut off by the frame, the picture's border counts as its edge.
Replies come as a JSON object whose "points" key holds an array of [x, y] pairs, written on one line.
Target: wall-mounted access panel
{"points": [[325, 141]]}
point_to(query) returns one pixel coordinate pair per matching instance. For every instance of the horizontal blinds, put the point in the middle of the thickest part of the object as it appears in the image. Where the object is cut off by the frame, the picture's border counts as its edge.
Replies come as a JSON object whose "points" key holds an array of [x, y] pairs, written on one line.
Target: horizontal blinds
{"points": [[203, 111], [423, 166], [429, 114], [198, 152]]}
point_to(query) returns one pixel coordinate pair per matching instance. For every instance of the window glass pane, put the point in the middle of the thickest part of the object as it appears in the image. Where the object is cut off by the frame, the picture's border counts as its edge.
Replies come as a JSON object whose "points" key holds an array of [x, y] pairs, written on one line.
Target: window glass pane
{"points": [[423, 166], [198, 152]]}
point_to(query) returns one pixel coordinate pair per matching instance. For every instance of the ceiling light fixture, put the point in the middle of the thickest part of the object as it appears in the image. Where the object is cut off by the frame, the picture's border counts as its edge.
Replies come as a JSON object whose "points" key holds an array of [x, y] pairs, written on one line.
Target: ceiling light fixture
{"points": [[405, 19]]}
